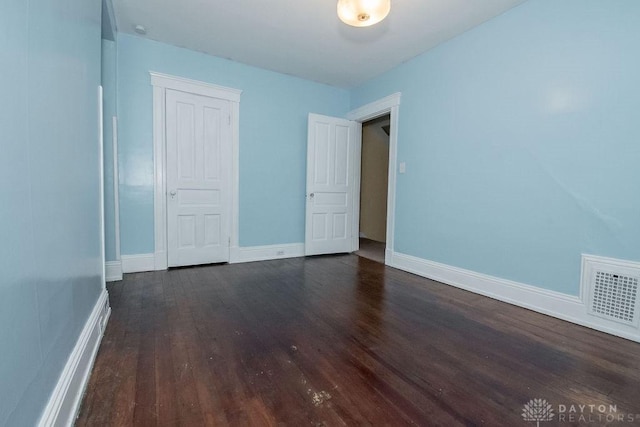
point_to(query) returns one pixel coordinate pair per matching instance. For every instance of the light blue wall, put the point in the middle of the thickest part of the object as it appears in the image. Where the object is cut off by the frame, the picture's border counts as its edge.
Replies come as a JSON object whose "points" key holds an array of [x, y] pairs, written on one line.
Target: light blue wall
{"points": [[49, 186], [273, 135], [109, 111], [522, 142]]}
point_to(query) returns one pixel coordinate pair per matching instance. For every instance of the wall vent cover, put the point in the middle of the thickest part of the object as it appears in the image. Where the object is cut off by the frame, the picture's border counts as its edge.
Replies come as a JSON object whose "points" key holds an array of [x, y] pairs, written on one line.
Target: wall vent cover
{"points": [[613, 289]]}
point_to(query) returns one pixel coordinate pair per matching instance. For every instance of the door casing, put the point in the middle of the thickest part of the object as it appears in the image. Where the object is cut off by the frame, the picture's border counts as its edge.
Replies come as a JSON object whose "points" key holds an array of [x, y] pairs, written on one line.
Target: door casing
{"points": [[387, 105]]}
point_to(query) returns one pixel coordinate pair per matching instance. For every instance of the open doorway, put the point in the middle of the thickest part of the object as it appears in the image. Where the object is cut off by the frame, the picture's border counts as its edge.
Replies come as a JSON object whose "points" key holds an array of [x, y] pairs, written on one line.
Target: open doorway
{"points": [[374, 181]]}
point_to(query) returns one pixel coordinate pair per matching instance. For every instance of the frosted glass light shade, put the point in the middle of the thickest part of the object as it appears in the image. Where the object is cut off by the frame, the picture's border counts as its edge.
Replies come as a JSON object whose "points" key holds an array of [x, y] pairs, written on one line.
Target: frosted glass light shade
{"points": [[362, 13]]}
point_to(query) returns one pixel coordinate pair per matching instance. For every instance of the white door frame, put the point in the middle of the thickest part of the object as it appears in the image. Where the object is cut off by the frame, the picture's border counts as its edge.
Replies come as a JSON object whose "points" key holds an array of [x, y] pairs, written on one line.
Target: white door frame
{"points": [[387, 105], [160, 83]]}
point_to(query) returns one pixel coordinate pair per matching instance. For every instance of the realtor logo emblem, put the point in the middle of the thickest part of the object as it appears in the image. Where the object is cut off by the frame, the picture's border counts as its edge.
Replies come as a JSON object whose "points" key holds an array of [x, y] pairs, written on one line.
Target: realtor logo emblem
{"points": [[537, 410]]}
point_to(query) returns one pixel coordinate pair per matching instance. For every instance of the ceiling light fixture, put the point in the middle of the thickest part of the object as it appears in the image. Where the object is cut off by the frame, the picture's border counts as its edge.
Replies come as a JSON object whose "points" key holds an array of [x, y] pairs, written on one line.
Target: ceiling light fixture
{"points": [[363, 13]]}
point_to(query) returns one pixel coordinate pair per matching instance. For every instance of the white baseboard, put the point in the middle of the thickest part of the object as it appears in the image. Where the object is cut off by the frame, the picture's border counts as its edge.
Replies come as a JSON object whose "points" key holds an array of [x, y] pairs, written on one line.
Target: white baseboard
{"points": [[64, 403], [264, 253], [555, 304], [113, 271], [160, 260], [388, 256], [138, 263]]}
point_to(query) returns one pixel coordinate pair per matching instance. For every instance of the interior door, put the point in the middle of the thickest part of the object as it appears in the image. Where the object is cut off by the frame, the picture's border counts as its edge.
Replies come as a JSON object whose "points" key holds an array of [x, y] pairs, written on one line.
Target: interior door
{"points": [[331, 147], [198, 133]]}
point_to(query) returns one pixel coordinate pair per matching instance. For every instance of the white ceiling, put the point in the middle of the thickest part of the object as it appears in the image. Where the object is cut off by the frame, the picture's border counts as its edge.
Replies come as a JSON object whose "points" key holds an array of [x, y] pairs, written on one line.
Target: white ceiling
{"points": [[305, 38]]}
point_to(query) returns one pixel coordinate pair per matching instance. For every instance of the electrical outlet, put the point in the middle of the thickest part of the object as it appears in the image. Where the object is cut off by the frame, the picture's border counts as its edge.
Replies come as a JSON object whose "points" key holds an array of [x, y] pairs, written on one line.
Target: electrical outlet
{"points": [[280, 253]]}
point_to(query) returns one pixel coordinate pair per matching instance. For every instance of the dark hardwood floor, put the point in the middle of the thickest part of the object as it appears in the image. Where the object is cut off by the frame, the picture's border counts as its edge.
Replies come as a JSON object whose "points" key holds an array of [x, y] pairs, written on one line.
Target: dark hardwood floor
{"points": [[340, 340]]}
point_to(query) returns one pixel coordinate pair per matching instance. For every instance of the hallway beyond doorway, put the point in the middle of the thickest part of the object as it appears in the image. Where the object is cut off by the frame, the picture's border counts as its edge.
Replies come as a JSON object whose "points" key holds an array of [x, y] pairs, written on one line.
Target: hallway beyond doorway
{"points": [[372, 250]]}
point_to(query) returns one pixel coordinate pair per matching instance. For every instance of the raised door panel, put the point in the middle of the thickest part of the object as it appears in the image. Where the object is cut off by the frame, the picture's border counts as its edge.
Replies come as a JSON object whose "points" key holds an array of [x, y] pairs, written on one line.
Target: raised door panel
{"points": [[185, 134]]}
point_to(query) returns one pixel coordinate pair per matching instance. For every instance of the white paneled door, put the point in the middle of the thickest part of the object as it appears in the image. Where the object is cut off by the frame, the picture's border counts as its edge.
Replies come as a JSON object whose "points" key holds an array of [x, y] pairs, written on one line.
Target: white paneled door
{"points": [[331, 151], [198, 134]]}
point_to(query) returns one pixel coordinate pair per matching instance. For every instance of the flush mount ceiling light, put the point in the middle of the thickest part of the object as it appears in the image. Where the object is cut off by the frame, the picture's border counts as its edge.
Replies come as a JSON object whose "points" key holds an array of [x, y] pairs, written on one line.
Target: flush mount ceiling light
{"points": [[363, 13]]}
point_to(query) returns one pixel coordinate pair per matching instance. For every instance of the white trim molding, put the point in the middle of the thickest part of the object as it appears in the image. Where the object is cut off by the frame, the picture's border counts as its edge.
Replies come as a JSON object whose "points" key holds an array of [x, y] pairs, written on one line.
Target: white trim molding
{"points": [[64, 403], [103, 251], [146, 262], [116, 186], [194, 86], [387, 105], [113, 271], [160, 83], [138, 263], [562, 306], [375, 109], [267, 252], [159, 179]]}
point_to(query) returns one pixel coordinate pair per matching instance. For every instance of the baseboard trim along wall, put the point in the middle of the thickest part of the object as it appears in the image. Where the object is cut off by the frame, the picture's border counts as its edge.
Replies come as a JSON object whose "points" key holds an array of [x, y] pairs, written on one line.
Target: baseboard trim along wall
{"points": [[152, 262], [562, 306], [138, 263], [113, 271], [64, 403], [264, 253]]}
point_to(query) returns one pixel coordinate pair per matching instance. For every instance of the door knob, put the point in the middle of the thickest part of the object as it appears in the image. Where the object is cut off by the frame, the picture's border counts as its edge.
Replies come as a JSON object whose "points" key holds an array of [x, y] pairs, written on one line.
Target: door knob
{"points": [[172, 194], [311, 195]]}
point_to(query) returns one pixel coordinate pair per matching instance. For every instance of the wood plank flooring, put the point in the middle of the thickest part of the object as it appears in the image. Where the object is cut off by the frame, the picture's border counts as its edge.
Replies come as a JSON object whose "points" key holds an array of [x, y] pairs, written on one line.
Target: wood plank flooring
{"points": [[339, 340]]}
